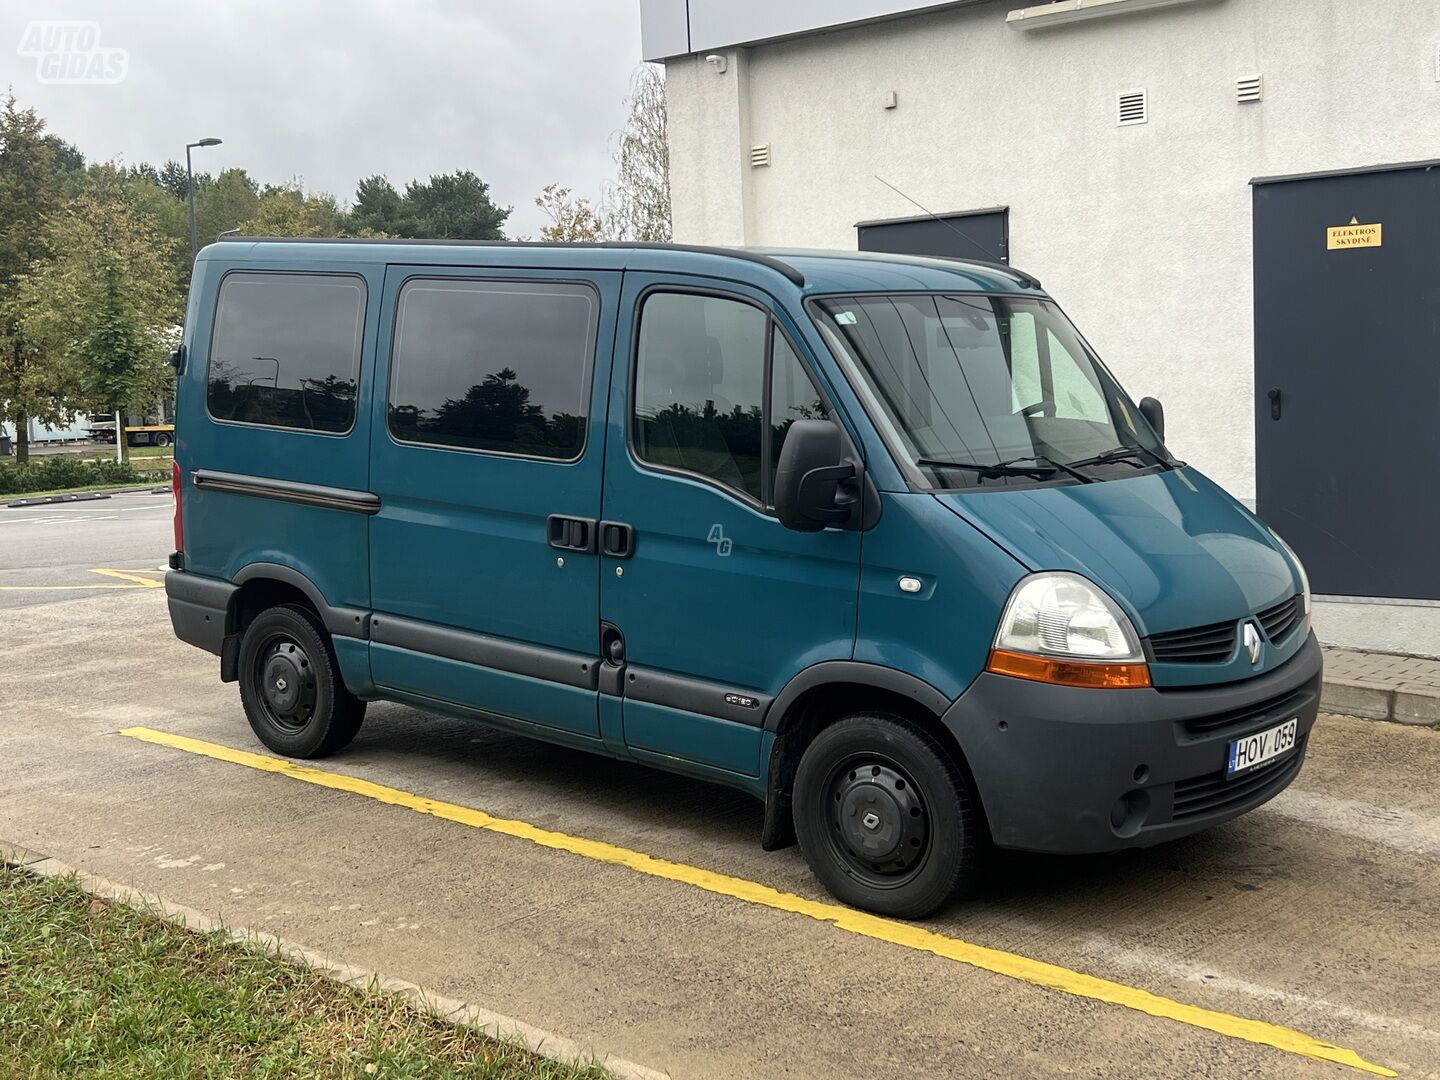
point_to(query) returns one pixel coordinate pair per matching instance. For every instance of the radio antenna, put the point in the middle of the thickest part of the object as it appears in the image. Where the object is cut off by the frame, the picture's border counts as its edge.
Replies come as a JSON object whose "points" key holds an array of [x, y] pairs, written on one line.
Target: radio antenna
{"points": [[956, 230]]}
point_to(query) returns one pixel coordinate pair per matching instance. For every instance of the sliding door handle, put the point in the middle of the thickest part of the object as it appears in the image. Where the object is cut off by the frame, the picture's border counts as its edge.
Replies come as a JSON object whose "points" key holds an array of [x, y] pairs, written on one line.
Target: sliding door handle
{"points": [[571, 533], [1274, 396]]}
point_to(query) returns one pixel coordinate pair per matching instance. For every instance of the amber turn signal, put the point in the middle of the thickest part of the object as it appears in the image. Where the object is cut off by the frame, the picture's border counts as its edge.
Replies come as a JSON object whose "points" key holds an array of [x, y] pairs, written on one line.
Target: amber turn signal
{"points": [[1068, 672]]}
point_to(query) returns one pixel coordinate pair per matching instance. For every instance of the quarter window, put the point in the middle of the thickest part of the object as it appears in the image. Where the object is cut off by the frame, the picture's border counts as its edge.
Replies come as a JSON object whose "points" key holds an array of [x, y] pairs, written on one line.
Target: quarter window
{"points": [[286, 350], [501, 366], [701, 403]]}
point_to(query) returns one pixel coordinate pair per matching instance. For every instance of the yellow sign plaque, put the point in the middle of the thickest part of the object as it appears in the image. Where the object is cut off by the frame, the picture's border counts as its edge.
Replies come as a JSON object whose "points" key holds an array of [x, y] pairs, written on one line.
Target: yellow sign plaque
{"points": [[1353, 235]]}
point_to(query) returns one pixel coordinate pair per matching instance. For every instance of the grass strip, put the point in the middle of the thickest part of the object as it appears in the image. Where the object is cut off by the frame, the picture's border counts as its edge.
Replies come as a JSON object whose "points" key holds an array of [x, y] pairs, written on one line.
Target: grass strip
{"points": [[91, 989]]}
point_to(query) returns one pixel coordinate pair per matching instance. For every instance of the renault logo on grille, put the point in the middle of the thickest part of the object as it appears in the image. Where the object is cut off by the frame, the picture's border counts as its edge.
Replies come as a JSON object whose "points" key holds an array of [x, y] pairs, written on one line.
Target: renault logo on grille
{"points": [[1252, 643]]}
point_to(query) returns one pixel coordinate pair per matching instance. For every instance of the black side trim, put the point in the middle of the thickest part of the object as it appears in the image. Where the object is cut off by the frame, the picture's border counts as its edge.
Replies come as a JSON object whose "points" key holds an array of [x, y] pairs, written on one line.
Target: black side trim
{"points": [[199, 609], [696, 696], [468, 647], [341, 621], [850, 671], [262, 487]]}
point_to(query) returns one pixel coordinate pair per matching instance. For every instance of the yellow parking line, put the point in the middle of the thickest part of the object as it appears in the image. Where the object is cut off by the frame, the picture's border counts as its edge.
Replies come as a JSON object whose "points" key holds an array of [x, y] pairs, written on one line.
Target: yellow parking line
{"points": [[1011, 965], [131, 576], [52, 588]]}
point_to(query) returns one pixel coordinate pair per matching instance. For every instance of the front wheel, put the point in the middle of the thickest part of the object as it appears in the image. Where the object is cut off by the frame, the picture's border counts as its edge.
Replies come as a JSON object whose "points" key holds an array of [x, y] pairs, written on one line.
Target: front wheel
{"points": [[291, 687], [887, 820]]}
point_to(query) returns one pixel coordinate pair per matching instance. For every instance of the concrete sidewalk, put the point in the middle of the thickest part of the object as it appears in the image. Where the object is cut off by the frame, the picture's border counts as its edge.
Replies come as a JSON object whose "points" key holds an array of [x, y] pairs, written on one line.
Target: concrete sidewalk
{"points": [[1382, 686]]}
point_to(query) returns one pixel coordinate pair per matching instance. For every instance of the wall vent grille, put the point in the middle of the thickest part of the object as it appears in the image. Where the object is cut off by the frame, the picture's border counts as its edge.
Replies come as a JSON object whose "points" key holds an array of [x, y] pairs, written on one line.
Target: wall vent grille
{"points": [[1249, 89], [760, 156], [1132, 107]]}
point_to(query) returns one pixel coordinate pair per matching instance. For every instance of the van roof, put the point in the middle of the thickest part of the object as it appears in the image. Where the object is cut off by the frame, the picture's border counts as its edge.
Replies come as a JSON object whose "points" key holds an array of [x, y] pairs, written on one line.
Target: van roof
{"points": [[812, 271]]}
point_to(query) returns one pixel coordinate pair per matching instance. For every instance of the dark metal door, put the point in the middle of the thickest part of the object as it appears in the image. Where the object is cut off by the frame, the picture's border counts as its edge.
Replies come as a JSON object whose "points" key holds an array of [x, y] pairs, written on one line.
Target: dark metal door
{"points": [[973, 234], [1347, 375]]}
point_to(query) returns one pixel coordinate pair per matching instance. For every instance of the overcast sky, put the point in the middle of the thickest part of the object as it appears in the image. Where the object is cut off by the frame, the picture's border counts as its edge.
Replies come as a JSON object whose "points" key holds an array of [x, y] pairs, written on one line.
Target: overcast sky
{"points": [[522, 92]]}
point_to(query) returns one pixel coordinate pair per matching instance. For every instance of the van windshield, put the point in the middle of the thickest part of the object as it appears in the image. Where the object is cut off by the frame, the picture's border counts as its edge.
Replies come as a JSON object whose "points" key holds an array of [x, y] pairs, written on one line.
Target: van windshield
{"points": [[1002, 389]]}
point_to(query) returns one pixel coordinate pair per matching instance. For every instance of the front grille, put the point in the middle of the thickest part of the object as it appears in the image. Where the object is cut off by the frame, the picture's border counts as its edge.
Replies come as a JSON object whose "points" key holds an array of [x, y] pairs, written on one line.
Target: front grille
{"points": [[1213, 644], [1213, 794], [1281, 708], [1278, 621]]}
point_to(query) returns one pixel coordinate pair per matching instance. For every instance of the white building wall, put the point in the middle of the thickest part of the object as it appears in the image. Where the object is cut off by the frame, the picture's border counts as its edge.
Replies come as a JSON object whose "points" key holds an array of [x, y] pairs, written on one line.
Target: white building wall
{"points": [[1142, 233]]}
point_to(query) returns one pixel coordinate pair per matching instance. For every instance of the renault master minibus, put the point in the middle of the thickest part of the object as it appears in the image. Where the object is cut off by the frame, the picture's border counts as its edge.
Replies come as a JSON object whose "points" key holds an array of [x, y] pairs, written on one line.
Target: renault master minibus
{"points": [[876, 539]]}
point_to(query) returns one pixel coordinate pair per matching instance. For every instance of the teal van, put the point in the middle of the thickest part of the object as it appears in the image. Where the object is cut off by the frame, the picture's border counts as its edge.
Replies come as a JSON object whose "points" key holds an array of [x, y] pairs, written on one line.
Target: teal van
{"points": [[876, 539]]}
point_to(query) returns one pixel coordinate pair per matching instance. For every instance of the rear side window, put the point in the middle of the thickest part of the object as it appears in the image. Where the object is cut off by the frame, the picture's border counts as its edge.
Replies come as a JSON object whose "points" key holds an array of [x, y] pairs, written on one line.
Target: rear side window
{"points": [[500, 366], [286, 350]]}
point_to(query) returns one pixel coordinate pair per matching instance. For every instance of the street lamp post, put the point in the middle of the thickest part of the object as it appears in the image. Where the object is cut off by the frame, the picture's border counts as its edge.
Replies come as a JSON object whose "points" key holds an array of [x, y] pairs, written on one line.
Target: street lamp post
{"points": [[190, 177]]}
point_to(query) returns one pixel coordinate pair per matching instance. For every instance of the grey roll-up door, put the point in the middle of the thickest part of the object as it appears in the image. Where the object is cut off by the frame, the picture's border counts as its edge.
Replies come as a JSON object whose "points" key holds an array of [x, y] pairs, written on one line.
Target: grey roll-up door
{"points": [[970, 234]]}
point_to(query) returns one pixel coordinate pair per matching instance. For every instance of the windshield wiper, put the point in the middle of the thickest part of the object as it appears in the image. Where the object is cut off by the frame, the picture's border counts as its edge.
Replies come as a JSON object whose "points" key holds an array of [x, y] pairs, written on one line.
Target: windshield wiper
{"points": [[1120, 453], [1043, 469]]}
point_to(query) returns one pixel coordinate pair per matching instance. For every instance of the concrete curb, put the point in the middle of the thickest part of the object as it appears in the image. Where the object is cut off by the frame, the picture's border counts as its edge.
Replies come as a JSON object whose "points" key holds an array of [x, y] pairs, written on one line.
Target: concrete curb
{"points": [[1380, 701], [24, 503], [426, 1001]]}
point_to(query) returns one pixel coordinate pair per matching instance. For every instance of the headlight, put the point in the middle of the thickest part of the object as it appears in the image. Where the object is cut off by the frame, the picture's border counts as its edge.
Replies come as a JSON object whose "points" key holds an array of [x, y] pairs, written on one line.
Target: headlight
{"points": [[1064, 615], [1299, 569], [1058, 627]]}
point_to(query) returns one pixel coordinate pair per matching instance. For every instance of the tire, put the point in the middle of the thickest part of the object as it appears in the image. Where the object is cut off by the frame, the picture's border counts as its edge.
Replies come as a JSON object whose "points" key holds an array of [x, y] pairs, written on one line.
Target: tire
{"points": [[887, 820], [162, 439], [291, 687]]}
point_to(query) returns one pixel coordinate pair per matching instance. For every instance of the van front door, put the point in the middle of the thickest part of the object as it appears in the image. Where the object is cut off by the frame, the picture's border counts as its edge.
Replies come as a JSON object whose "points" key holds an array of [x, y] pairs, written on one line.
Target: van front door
{"points": [[488, 467], [714, 603]]}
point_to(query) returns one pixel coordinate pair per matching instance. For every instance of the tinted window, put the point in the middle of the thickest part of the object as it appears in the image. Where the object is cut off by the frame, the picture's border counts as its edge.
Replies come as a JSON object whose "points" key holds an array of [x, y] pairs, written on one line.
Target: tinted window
{"points": [[792, 397], [700, 401], [493, 365], [286, 350], [699, 387]]}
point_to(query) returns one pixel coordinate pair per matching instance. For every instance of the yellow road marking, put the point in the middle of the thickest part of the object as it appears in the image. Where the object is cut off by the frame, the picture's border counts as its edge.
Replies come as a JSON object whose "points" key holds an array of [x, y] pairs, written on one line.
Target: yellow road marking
{"points": [[1011, 965], [131, 576]]}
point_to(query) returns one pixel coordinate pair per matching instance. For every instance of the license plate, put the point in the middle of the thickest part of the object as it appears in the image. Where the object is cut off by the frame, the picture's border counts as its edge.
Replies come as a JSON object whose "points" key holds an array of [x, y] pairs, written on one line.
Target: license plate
{"points": [[1250, 751]]}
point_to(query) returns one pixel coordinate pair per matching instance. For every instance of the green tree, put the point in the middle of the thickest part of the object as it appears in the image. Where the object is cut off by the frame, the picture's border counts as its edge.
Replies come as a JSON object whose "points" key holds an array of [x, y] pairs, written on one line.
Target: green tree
{"points": [[31, 189], [103, 304], [379, 210], [637, 204], [288, 211], [455, 206]]}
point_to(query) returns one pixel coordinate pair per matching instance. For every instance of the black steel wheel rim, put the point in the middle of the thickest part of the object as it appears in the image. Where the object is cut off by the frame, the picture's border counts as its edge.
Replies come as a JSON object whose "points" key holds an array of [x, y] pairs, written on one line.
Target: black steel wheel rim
{"points": [[285, 677], [877, 822]]}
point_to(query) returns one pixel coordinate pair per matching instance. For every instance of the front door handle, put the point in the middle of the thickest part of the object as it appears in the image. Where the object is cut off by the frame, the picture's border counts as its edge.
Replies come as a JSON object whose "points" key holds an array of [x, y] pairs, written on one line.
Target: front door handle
{"points": [[617, 540], [571, 533], [1274, 396]]}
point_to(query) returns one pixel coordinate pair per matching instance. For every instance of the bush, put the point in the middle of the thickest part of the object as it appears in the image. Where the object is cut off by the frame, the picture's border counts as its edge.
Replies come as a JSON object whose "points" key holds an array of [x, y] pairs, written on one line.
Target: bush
{"points": [[64, 471]]}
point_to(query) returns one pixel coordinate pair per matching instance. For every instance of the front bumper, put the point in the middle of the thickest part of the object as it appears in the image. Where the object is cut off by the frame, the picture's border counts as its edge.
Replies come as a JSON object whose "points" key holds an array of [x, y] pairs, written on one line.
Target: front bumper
{"points": [[1073, 770]]}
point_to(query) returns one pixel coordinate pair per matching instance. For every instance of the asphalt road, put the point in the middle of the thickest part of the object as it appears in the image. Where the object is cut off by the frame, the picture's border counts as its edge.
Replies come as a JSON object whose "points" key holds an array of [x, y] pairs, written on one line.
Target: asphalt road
{"points": [[60, 547], [1318, 912]]}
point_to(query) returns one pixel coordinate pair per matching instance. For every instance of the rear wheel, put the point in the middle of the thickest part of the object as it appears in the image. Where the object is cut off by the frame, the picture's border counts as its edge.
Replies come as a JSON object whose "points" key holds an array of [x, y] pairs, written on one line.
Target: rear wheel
{"points": [[887, 820], [162, 439], [291, 687]]}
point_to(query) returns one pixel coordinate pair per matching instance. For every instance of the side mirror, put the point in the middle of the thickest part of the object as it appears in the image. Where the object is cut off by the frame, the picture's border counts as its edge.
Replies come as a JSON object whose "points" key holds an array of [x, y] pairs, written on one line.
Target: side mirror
{"points": [[1154, 414], [177, 358], [811, 468]]}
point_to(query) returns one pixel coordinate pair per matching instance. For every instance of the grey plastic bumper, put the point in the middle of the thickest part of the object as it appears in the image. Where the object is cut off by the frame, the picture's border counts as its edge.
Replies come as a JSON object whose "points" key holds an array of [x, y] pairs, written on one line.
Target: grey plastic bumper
{"points": [[199, 609], [1070, 770]]}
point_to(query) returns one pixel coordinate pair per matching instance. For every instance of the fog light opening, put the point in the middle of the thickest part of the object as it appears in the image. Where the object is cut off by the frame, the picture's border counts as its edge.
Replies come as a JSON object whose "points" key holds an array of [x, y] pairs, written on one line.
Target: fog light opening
{"points": [[1128, 814]]}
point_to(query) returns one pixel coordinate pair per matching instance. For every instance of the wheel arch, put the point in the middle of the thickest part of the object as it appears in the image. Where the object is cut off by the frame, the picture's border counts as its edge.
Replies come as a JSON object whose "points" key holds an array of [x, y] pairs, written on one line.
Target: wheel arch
{"points": [[265, 584], [824, 693]]}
